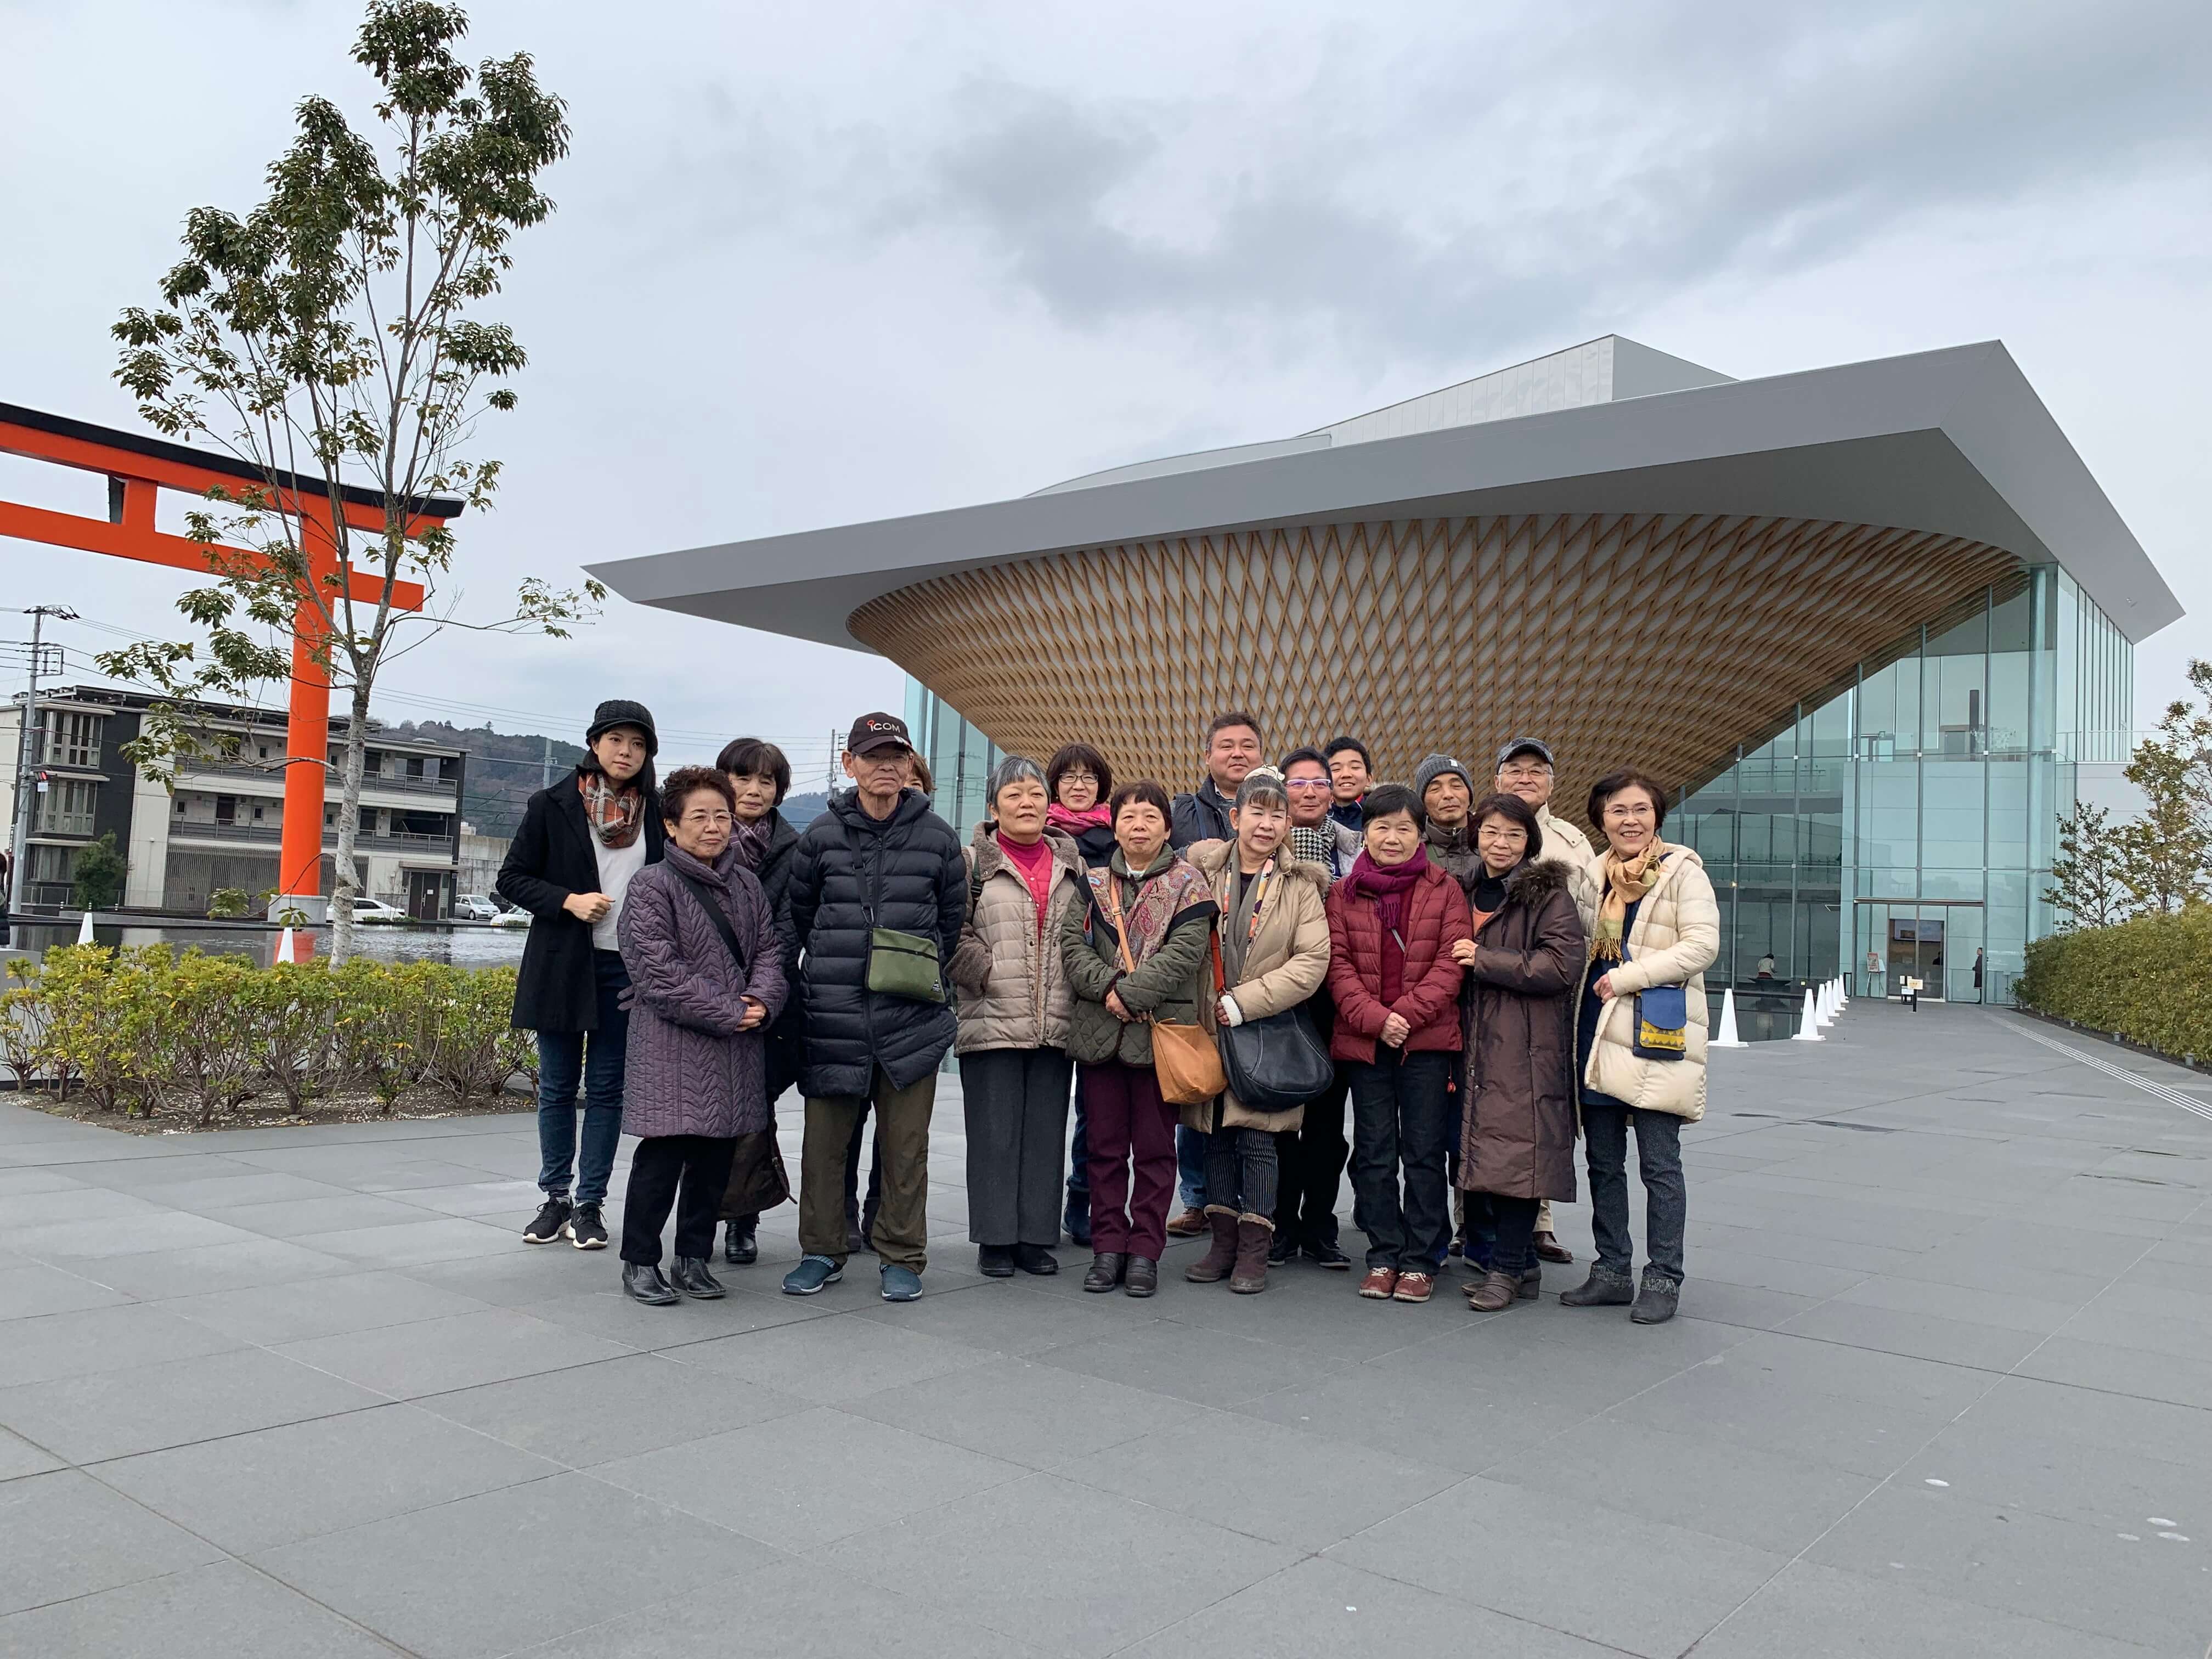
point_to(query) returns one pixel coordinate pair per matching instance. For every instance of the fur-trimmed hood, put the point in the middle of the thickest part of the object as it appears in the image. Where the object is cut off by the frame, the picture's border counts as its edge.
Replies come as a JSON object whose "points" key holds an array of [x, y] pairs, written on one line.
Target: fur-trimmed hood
{"points": [[1534, 880], [986, 857]]}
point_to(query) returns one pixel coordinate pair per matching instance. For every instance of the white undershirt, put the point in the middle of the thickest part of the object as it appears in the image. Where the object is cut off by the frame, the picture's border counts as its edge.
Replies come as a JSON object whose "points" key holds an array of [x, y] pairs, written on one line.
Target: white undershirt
{"points": [[616, 866]]}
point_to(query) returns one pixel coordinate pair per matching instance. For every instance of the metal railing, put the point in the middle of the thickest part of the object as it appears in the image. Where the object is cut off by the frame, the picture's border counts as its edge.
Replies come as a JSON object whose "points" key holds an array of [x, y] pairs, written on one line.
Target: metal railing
{"points": [[269, 835]]}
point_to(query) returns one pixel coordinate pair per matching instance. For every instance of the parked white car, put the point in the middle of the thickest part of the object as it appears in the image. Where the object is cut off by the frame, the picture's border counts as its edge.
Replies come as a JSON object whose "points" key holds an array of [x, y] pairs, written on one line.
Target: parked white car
{"points": [[474, 907], [369, 909], [511, 919]]}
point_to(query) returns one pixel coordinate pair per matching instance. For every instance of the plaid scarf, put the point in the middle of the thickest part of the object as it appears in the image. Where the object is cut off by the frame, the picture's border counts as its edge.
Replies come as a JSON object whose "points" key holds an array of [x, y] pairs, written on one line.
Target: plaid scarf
{"points": [[749, 841], [615, 811], [1172, 885], [1624, 884]]}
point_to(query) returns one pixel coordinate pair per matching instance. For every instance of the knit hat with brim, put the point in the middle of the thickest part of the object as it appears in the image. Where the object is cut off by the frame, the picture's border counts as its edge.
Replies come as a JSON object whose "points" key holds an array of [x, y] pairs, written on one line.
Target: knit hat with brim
{"points": [[1436, 766], [619, 711]]}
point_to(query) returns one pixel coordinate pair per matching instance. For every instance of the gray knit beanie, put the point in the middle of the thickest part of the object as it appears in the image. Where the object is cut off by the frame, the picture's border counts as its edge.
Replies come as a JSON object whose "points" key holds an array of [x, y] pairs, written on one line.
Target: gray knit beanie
{"points": [[1434, 768]]}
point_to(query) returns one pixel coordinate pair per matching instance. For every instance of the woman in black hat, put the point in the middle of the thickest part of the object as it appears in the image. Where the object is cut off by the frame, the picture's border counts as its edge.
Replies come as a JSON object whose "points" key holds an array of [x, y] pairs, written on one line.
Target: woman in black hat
{"points": [[580, 842]]}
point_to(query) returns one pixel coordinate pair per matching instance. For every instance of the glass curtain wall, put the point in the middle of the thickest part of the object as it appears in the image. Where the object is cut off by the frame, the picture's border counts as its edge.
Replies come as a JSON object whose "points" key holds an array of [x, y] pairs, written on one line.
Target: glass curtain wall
{"points": [[1903, 825], [960, 757]]}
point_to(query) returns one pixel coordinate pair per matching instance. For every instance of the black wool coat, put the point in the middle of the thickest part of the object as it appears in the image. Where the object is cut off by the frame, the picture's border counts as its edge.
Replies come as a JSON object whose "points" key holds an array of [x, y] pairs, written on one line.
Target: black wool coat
{"points": [[851, 874], [552, 856], [787, 1037]]}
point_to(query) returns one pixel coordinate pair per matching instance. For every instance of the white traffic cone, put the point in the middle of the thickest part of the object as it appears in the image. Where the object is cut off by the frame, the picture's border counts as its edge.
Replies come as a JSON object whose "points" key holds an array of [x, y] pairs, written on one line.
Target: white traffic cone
{"points": [[1827, 1003], [1809, 1023], [1727, 1038], [284, 948], [84, 929]]}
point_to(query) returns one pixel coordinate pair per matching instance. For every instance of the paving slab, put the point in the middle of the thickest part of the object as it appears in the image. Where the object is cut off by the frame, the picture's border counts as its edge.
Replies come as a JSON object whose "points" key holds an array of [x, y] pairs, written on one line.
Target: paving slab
{"points": [[300, 1391]]}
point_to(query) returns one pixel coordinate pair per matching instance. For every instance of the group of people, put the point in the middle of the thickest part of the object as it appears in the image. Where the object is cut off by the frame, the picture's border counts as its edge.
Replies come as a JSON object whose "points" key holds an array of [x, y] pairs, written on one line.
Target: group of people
{"points": [[1212, 980]]}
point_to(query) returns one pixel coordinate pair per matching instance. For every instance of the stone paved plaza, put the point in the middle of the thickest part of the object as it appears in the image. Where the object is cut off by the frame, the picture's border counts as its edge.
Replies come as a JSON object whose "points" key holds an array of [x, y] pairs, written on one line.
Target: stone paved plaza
{"points": [[1942, 1385]]}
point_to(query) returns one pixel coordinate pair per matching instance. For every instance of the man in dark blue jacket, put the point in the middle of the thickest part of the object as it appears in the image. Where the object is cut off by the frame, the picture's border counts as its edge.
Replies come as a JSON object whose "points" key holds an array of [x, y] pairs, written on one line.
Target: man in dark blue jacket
{"points": [[878, 862]]}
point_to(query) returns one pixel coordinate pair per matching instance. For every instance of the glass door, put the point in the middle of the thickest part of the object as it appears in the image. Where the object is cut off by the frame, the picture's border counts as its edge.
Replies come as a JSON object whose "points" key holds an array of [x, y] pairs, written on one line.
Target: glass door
{"points": [[1963, 966]]}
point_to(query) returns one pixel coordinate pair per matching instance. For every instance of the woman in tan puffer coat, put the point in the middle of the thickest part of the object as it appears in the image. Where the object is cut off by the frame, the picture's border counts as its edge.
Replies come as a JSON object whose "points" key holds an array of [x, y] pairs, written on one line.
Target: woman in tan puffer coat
{"points": [[1657, 924], [1010, 985], [1273, 935]]}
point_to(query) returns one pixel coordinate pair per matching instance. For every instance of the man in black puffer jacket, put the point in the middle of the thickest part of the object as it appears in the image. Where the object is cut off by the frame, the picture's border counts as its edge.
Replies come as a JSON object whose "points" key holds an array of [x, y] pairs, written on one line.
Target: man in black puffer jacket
{"points": [[877, 859]]}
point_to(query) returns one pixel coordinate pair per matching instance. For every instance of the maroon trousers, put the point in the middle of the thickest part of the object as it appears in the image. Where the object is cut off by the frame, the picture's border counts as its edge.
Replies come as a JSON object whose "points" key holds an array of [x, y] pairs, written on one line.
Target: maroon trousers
{"points": [[1129, 1125]]}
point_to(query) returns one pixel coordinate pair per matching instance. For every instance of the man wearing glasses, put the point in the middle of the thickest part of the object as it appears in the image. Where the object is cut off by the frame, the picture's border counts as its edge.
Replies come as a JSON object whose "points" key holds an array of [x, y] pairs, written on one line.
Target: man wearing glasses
{"points": [[1524, 768]]}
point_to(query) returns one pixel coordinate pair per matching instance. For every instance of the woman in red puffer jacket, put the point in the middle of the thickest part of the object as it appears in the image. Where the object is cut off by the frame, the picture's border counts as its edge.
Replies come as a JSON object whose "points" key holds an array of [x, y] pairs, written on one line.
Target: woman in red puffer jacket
{"points": [[1392, 924]]}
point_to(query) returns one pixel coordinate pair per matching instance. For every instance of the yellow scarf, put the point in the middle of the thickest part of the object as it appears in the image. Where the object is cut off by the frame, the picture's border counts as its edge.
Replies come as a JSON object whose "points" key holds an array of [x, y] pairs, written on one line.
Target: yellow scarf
{"points": [[1625, 883]]}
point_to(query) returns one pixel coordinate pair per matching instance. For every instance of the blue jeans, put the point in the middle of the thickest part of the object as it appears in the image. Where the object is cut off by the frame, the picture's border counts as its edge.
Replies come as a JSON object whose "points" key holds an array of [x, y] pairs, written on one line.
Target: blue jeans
{"points": [[1190, 1166], [594, 1058], [1666, 1198]]}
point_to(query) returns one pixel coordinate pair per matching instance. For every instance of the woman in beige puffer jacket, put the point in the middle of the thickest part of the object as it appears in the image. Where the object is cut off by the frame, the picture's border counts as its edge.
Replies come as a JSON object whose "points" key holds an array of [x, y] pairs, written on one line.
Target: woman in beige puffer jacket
{"points": [[1273, 938], [1010, 986], [1656, 922]]}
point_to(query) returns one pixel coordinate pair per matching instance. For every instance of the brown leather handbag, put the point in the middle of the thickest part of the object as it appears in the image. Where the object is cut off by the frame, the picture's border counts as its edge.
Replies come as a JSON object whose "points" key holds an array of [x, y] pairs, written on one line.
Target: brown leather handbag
{"points": [[1184, 1058]]}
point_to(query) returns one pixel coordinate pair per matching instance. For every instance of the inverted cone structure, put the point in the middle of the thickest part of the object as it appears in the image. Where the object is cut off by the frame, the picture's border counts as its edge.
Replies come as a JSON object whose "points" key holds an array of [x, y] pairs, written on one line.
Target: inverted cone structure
{"points": [[84, 929], [1726, 1037], [284, 947], [1809, 1023]]}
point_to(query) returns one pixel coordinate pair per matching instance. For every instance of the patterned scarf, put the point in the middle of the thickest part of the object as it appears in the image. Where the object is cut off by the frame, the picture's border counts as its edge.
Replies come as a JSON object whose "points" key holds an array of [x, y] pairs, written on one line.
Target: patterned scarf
{"points": [[1171, 886], [1074, 824], [749, 841], [1624, 884], [615, 811]]}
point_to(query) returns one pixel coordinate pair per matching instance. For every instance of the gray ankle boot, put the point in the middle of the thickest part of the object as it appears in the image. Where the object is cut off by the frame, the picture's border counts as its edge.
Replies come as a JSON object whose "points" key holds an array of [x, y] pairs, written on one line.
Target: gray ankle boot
{"points": [[1656, 1299], [1604, 1288]]}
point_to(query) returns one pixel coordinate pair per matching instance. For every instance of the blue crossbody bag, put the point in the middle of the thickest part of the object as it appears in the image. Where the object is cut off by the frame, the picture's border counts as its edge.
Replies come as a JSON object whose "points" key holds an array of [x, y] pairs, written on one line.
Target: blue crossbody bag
{"points": [[1662, 1020]]}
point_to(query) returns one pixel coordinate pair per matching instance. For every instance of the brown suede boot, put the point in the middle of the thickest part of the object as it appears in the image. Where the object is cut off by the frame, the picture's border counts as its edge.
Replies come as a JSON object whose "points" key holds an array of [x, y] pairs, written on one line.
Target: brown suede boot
{"points": [[1253, 1234], [1213, 1266]]}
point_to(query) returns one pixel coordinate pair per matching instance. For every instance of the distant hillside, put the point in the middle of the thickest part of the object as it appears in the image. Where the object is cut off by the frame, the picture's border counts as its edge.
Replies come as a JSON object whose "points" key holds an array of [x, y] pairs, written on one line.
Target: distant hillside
{"points": [[506, 768]]}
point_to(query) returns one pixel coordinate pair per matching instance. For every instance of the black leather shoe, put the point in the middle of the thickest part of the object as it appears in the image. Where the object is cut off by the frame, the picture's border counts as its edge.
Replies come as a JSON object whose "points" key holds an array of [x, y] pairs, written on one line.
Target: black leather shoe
{"points": [[689, 1275], [1141, 1278], [995, 1261], [1324, 1253], [1036, 1258], [1603, 1289], [641, 1281], [1105, 1272], [1282, 1248], [741, 1248]]}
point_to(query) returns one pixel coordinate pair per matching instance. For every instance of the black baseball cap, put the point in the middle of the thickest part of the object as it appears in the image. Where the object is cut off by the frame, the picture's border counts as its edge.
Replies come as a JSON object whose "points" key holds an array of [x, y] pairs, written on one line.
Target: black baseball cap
{"points": [[874, 732], [1525, 746]]}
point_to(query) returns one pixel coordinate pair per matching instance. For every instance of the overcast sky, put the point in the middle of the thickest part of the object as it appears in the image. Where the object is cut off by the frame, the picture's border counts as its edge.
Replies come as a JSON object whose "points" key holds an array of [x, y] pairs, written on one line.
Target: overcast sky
{"points": [[814, 265]]}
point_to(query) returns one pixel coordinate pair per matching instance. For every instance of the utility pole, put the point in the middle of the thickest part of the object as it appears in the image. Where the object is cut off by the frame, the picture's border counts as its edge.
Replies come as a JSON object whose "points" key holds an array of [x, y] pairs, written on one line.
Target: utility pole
{"points": [[545, 771], [18, 868]]}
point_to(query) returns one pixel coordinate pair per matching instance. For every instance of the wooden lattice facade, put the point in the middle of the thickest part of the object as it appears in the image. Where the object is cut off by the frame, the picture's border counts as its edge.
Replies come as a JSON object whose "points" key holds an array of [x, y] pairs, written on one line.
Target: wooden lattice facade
{"points": [[1662, 640]]}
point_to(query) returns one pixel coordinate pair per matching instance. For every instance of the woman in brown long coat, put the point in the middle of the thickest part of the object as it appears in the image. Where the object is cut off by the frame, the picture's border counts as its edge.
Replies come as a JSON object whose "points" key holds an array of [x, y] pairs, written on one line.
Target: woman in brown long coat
{"points": [[1517, 1135]]}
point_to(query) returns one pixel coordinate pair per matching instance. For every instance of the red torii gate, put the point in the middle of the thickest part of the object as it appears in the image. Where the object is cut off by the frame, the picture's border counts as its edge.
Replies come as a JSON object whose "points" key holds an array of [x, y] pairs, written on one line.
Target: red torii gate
{"points": [[136, 468]]}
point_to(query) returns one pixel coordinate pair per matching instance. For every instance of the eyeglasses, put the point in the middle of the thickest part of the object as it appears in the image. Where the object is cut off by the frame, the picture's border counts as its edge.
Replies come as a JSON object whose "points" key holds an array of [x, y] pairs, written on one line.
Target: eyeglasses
{"points": [[1639, 809], [1524, 773], [706, 820], [1306, 783], [1074, 776]]}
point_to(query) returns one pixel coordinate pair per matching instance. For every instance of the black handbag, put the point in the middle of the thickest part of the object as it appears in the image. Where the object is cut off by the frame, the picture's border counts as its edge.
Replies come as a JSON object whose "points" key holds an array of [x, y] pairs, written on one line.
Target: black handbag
{"points": [[1275, 1064]]}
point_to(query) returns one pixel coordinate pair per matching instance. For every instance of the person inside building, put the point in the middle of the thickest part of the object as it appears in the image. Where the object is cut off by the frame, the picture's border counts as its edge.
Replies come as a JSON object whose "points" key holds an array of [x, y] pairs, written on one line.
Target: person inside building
{"points": [[1272, 934], [1310, 1158], [1350, 773], [1526, 769], [879, 896], [705, 957], [1024, 879], [1134, 954], [1080, 782], [764, 841], [1523, 967], [581, 841], [1392, 925], [1232, 749], [1642, 1055]]}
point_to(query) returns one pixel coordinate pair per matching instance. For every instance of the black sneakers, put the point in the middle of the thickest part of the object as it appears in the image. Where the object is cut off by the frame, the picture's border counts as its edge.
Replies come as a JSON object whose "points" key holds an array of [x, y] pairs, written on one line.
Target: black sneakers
{"points": [[586, 1231], [551, 1221]]}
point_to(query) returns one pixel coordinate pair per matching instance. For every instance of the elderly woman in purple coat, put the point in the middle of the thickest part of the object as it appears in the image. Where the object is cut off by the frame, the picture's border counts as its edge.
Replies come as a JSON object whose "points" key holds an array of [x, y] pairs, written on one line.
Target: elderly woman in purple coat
{"points": [[706, 969]]}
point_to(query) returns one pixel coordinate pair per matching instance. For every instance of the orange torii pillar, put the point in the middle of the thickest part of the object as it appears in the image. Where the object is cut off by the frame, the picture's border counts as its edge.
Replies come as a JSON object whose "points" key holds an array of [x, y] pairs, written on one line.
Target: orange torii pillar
{"points": [[136, 468]]}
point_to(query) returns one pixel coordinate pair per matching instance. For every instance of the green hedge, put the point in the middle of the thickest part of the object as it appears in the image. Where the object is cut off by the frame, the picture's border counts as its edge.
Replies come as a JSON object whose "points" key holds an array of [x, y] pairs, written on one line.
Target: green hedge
{"points": [[148, 1030], [2148, 980]]}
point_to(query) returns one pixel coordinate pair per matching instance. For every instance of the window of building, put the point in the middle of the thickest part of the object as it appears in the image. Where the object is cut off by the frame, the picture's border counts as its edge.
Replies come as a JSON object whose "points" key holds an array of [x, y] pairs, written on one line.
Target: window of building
{"points": [[66, 808], [72, 737]]}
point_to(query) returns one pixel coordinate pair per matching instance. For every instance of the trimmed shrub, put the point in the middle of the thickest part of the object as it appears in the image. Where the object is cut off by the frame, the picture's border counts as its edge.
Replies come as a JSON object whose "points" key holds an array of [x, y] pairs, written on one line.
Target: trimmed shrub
{"points": [[142, 1029], [2144, 980]]}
